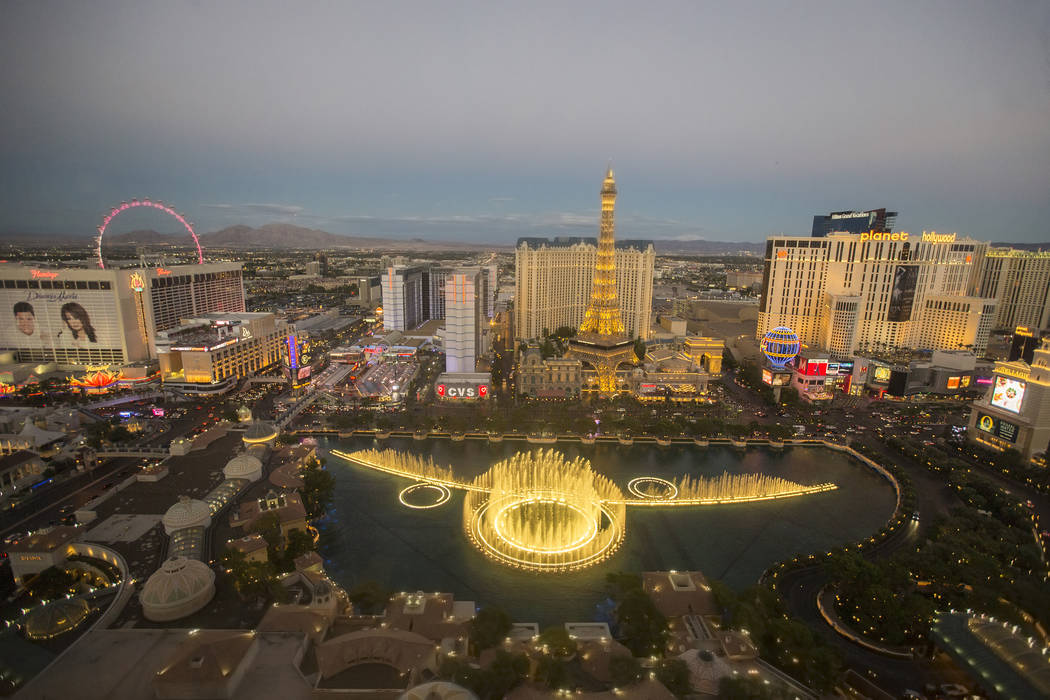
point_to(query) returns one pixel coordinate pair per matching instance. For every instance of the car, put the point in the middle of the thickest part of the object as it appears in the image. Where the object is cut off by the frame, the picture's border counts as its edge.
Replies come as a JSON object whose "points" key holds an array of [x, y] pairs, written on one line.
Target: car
{"points": [[953, 690], [66, 509]]}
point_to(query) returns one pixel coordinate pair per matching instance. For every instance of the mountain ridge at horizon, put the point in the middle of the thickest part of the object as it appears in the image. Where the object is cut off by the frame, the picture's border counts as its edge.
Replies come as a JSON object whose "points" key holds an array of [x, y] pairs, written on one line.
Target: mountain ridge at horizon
{"points": [[279, 235]]}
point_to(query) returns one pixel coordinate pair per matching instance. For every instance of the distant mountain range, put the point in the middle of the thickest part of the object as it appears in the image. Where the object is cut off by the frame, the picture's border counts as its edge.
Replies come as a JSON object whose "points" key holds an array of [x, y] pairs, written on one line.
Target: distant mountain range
{"points": [[287, 236]]}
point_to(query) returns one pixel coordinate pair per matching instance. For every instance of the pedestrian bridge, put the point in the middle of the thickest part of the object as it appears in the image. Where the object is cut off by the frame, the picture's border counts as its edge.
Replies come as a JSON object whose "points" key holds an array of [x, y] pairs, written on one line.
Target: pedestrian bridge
{"points": [[147, 452]]}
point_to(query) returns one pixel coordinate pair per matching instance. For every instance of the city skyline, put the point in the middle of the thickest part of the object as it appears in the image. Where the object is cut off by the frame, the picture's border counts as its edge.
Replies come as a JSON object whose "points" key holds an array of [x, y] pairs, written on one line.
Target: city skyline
{"points": [[479, 124]]}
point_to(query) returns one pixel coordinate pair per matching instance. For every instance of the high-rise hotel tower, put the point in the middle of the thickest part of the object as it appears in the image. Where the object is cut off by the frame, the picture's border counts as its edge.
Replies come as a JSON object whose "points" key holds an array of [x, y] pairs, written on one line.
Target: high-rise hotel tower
{"points": [[555, 278], [876, 292]]}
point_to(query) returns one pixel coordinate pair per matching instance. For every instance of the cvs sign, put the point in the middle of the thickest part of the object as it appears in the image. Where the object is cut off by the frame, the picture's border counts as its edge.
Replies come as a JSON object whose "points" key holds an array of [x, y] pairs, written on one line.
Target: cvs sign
{"points": [[478, 391]]}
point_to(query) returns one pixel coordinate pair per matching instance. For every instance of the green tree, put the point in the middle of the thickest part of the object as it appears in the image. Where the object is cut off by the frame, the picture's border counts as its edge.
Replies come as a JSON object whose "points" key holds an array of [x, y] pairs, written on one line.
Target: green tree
{"points": [[269, 526], [551, 672], [119, 434], [639, 349], [505, 672], [556, 640], [51, 583], [317, 489], [642, 627], [299, 543], [369, 598], [250, 578], [489, 627], [674, 674], [624, 670]]}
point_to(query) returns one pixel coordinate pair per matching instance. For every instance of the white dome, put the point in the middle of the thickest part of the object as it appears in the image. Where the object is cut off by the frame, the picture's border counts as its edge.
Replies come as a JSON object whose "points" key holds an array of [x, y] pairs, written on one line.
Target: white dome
{"points": [[438, 690], [186, 513], [243, 467], [259, 431], [178, 588]]}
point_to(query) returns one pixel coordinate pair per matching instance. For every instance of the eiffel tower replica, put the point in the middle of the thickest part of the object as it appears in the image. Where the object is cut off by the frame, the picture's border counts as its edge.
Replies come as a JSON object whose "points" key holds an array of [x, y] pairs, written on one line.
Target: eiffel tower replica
{"points": [[601, 341]]}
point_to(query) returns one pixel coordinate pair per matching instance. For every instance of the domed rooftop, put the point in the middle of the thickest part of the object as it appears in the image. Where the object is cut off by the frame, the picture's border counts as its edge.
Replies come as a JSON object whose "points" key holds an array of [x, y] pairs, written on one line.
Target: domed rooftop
{"points": [[244, 466], [260, 431], [56, 618], [188, 512], [438, 690], [178, 588]]}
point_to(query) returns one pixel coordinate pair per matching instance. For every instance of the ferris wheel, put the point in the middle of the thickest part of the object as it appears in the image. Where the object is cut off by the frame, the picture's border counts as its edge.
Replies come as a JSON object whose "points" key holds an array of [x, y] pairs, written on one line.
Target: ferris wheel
{"points": [[124, 206]]}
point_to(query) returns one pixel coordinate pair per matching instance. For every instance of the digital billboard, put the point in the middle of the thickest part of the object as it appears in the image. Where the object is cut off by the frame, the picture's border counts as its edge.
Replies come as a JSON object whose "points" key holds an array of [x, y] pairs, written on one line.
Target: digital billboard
{"points": [[1004, 430], [812, 368], [953, 382], [56, 318], [1008, 393], [882, 374], [767, 377], [781, 379], [903, 294], [965, 382]]}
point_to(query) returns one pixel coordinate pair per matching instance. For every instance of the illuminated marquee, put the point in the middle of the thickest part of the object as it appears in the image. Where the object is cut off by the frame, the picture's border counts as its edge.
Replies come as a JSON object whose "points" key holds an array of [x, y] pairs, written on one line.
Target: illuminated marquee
{"points": [[137, 283]]}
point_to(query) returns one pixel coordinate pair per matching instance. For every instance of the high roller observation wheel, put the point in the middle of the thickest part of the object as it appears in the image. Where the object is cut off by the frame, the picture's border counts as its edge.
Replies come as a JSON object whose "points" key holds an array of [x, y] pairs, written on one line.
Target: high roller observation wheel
{"points": [[124, 206]]}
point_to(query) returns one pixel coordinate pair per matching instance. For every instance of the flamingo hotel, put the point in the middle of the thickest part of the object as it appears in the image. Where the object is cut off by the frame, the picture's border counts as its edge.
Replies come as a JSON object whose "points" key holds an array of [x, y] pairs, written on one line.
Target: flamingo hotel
{"points": [[73, 317]]}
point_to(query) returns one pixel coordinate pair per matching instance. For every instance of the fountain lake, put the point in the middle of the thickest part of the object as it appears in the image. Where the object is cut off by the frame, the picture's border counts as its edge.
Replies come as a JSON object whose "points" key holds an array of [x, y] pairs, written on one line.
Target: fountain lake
{"points": [[369, 535]]}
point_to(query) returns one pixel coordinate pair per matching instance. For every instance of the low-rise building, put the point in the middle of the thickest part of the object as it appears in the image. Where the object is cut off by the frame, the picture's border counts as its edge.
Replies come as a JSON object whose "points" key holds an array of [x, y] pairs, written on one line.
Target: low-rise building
{"points": [[1015, 411], [19, 470], [210, 353], [252, 546], [548, 378], [705, 352], [41, 550], [286, 505]]}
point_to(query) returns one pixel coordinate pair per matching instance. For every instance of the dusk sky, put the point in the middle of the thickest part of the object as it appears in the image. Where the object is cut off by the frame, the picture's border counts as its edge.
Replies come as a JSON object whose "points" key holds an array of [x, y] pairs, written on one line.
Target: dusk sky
{"points": [[486, 121]]}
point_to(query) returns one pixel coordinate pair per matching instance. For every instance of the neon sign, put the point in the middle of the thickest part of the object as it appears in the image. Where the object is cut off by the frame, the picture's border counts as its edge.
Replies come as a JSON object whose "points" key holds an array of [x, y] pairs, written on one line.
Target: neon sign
{"points": [[462, 392], [163, 271], [884, 236], [43, 274]]}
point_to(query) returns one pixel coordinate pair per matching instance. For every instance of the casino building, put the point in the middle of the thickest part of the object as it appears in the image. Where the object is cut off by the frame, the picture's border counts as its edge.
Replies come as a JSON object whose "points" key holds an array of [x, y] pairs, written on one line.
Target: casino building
{"points": [[89, 317], [848, 293], [554, 279], [1015, 413], [209, 353]]}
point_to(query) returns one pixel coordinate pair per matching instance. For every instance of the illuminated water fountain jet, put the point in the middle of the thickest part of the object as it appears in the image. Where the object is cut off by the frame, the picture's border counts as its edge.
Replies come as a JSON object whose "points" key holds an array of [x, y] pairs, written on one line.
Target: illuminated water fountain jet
{"points": [[540, 511]]}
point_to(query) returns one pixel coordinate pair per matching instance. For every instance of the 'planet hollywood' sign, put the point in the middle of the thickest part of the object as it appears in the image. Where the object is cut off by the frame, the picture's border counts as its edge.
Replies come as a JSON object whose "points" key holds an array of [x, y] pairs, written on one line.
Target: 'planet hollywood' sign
{"points": [[475, 391]]}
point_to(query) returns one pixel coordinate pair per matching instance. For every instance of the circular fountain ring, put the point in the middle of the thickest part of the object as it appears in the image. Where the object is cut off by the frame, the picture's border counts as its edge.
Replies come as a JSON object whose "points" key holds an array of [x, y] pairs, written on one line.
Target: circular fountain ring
{"points": [[602, 539], [441, 498], [542, 512], [633, 487]]}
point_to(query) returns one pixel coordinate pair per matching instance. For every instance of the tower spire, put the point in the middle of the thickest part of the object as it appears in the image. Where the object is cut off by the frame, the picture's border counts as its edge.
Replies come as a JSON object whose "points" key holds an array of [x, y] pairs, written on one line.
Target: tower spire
{"points": [[603, 313], [602, 341]]}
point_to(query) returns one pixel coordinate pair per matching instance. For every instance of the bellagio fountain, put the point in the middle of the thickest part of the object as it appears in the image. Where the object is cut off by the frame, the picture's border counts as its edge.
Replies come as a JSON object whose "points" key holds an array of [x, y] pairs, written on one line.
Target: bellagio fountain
{"points": [[542, 512]]}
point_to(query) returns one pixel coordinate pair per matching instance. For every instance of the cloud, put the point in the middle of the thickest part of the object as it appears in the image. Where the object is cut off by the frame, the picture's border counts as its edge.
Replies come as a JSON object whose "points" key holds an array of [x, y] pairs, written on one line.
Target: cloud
{"points": [[249, 208]]}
